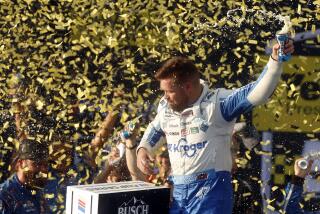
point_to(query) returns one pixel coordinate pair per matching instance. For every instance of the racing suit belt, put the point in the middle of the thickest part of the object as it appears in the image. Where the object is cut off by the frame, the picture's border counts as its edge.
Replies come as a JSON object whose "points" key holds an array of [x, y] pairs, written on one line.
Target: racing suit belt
{"points": [[187, 179]]}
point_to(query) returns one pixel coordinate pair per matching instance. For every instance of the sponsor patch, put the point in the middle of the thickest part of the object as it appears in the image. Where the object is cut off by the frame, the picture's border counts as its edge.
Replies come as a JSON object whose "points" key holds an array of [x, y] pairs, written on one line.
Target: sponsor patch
{"points": [[203, 192], [185, 123], [187, 113], [153, 136], [194, 130], [198, 120], [204, 127], [172, 133], [168, 114], [184, 132], [173, 125], [162, 102]]}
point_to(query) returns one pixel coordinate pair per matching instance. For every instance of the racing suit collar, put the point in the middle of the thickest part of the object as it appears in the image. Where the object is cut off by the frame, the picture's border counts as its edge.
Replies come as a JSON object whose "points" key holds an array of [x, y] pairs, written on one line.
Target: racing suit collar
{"points": [[204, 92], [201, 97]]}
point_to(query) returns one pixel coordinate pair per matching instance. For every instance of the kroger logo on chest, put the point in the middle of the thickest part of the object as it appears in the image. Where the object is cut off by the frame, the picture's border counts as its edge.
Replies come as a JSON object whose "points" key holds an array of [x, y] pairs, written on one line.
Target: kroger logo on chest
{"points": [[186, 135], [185, 149]]}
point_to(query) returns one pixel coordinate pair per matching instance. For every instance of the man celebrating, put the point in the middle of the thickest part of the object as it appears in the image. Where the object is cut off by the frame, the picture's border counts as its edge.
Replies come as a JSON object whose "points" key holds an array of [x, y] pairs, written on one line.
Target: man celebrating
{"points": [[197, 123], [22, 193]]}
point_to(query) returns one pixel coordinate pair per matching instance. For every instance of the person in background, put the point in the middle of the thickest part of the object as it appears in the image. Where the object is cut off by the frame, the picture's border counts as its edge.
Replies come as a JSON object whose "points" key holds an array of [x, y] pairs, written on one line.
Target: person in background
{"points": [[105, 130], [162, 171], [295, 188], [121, 163], [61, 174], [22, 193], [114, 168], [165, 166], [66, 171], [244, 138]]}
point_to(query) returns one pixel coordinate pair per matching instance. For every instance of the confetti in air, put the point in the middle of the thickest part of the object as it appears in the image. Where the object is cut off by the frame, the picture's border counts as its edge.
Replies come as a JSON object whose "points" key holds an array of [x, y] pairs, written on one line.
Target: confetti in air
{"points": [[96, 56]]}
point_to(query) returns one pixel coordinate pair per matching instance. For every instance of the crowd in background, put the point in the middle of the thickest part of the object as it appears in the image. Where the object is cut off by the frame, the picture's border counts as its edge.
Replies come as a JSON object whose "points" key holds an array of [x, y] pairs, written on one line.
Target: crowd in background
{"points": [[69, 156], [65, 53], [76, 155], [74, 158]]}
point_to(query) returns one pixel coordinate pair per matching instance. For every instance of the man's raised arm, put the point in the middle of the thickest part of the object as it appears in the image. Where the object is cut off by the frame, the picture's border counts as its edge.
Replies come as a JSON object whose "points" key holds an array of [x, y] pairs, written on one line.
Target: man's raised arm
{"points": [[258, 92]]}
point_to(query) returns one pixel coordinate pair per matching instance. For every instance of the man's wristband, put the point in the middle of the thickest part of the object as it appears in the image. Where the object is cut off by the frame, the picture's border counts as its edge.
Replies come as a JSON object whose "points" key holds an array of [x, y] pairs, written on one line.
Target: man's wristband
{"points": [[273, 58], [132, 147]]}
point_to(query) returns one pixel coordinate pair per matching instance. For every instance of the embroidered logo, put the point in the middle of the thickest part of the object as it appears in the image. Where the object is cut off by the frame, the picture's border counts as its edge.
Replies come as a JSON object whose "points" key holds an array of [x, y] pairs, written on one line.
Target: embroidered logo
{"points": [[173, 125], [204, 127], [184, 132], [134, 206], [188, 150], [194, 130], [203, 192], [172, 133]]}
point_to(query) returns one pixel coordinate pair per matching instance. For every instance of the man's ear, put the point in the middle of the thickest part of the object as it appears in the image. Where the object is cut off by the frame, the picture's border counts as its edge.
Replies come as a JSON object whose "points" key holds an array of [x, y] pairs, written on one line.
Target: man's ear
{"points": [[21, 164], [188, 86]]}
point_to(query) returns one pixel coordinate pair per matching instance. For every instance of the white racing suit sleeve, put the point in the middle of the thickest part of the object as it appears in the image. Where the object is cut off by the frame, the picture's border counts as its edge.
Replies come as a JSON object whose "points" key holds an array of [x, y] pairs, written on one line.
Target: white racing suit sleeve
{"points": [[253, 94], [153, 136]]}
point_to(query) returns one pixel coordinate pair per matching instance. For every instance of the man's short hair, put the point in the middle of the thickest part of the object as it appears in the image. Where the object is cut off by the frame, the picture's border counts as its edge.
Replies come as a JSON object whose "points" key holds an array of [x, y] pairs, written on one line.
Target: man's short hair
{"points": [[33, 150], [180, 68]]}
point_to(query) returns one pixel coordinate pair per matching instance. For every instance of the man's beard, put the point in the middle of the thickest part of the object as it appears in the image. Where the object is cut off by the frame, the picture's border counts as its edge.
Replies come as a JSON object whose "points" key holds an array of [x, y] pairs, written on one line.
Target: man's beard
{"points": [[36, 181], [179, 107]]}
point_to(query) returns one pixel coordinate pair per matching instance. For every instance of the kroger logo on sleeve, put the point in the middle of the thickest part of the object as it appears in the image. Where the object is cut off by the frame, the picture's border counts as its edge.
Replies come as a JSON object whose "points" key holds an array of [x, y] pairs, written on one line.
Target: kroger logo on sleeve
{"points": [[188, 150]]}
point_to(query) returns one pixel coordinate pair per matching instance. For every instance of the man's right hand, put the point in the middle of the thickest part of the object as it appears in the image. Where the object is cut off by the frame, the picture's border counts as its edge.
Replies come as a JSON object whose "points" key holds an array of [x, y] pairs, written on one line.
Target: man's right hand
{"points": [[302, 173], [144, 160], [288, 49]]}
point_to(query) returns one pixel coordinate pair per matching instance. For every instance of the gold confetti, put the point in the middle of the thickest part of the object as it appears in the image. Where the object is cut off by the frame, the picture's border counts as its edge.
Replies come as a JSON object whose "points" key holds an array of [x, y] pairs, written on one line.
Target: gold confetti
{"points": [[61, 63], [269, 207]]}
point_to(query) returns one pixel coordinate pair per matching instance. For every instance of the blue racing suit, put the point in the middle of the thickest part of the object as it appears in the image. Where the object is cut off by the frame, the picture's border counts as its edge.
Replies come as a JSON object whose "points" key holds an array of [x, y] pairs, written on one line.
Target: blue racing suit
{"points": [[293, 196], [198, 141], [16, 198], [55, 192]]}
